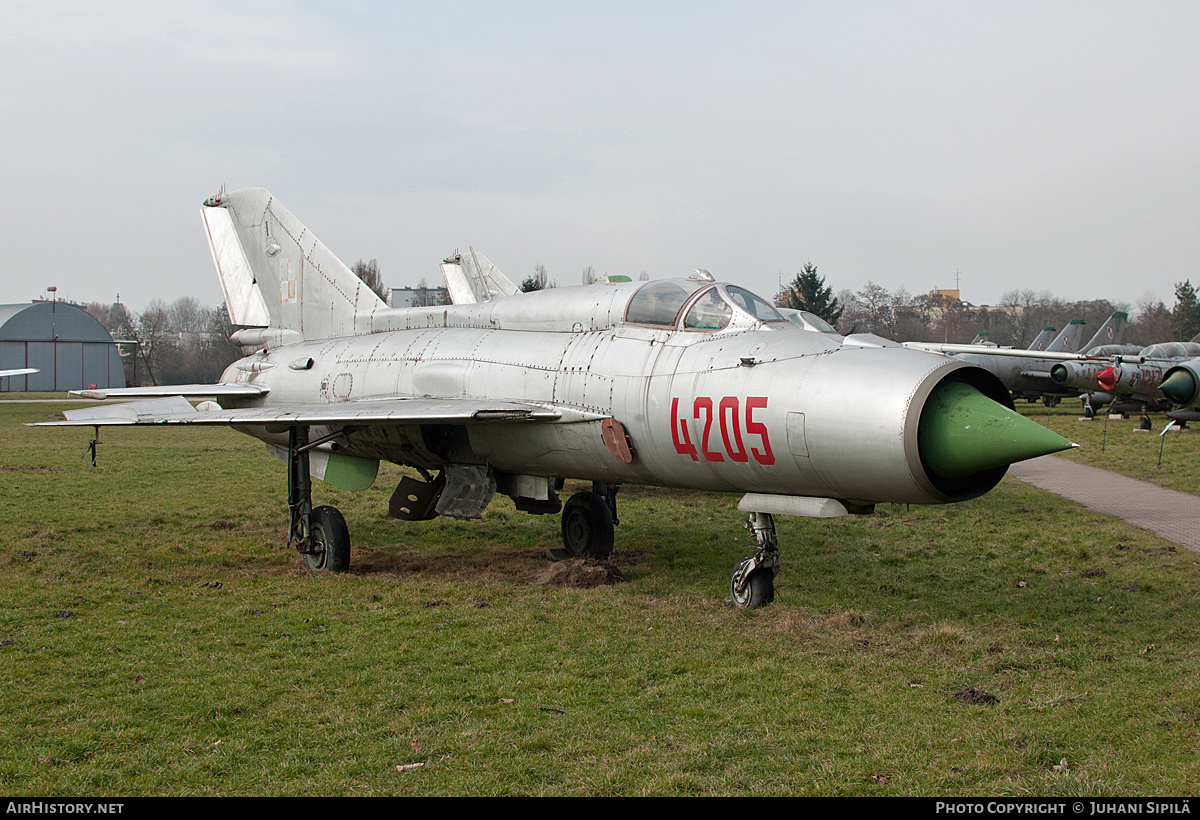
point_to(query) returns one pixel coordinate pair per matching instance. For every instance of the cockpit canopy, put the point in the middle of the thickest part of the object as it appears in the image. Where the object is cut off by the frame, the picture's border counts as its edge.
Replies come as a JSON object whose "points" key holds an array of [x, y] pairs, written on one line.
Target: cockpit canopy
{"points": [[806, 320], [703, 305], [1172, 350]]}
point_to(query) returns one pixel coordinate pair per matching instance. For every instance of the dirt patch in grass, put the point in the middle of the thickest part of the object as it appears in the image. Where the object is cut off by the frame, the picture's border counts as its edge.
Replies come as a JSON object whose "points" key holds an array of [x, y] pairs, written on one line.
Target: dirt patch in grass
{"points": [[582, 573], [526, 564], [217, 524], [969, 694], [484, 564]]}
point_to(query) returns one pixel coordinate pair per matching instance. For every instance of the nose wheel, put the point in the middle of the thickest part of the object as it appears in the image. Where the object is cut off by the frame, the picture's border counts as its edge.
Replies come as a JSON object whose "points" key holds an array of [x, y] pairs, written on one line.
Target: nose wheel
{"points": [[753, 581]]}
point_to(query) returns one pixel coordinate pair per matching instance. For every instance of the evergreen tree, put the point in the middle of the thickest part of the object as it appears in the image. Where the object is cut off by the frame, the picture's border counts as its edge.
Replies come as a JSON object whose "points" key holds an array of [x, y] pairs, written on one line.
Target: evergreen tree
{"points": [[1186, 314], [808, 292], [539, 280]]}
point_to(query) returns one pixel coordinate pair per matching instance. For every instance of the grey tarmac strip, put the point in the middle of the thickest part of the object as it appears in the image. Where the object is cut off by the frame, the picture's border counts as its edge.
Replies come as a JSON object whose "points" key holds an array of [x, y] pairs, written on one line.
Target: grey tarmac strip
{"points": [[1172, 515]]}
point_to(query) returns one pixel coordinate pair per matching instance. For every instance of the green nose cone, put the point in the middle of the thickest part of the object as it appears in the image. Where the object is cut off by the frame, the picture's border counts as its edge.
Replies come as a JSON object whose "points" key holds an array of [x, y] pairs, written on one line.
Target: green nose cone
{"points": [[1179, 387], [963, 432]]}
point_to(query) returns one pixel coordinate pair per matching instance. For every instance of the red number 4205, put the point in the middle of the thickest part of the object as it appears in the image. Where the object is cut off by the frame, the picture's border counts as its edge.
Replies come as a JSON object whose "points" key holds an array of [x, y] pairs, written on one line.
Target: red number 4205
{"points": [[727, 415]]}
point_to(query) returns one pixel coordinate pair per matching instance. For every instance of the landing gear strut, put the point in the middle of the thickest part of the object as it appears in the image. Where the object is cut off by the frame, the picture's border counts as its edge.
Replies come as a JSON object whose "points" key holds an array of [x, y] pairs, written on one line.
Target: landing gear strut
{"points": [[753, 581], [320, 535]]}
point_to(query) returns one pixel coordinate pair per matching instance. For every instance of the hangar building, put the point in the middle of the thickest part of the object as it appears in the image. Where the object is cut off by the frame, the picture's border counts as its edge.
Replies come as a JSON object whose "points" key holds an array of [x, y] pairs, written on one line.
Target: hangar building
{"points": [[72, 350]]}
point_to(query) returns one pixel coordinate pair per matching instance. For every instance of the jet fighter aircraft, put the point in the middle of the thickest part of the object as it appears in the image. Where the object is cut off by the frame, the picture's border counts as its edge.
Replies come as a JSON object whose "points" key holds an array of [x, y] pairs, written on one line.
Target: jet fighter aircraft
{"points": [[1027, 373], [688, 383], [1140, 378]]}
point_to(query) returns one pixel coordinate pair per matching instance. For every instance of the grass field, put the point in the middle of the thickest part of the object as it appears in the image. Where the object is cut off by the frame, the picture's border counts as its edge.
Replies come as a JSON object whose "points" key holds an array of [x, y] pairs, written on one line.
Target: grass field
{"points": [[157, 637], [1116, 444]]}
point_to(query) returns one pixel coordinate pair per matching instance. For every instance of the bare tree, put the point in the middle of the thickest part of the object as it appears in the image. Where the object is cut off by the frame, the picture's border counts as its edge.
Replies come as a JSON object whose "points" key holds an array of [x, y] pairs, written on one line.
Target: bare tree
{"points": [[1152, 324], [217, 350], [100, 312], [589, 275], [873, 306], [113, 317], [1022, 315], [150, 333], [911, 317], [369, 273], [187, 315]]}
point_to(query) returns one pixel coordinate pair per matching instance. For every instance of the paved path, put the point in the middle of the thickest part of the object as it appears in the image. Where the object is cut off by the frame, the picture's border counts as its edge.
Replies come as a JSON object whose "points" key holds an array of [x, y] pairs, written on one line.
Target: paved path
{"points": [[1173, 515]]}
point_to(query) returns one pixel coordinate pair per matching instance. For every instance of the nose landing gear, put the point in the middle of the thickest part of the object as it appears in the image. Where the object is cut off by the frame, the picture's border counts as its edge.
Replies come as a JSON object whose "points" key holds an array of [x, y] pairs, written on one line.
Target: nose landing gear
{"points": [[753, 581]]}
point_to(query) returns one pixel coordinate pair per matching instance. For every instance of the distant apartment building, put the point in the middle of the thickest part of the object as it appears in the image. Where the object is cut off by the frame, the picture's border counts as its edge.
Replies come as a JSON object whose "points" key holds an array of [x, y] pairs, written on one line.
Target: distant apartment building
{"points": [[418, 297]]}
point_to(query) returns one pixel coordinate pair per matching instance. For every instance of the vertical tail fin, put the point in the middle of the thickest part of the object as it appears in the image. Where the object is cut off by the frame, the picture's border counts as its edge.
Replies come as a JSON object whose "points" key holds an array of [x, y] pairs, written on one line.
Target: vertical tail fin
{"points": [[472, 278], [1044, 338], [275, 272], [1112, 332], [1068, 341]]}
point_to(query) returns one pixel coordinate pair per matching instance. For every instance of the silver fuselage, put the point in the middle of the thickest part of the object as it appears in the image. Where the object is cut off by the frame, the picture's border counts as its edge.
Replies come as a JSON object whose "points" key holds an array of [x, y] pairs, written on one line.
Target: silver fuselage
{"points": [[754, 407]]}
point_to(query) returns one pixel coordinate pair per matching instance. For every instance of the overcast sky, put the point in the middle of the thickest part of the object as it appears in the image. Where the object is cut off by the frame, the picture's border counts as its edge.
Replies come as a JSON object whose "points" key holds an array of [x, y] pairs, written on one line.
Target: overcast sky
{"points": [[1051, 146]]}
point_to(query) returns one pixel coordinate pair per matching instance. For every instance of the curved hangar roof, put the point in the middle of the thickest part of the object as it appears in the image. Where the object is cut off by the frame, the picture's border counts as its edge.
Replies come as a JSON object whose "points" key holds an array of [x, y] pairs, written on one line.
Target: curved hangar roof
{"points": [[72, 350]]}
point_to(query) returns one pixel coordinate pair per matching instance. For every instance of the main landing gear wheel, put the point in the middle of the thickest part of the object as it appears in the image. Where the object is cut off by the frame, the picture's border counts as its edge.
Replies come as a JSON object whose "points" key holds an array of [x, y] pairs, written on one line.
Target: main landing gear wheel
{"points": [[587, 526], [757, 589], [330, 541]]}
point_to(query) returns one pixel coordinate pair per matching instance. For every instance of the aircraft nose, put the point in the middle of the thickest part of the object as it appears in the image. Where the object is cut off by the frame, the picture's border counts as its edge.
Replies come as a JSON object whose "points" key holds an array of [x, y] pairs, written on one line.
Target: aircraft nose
{"points": [[1180, 386], [963, 432]]}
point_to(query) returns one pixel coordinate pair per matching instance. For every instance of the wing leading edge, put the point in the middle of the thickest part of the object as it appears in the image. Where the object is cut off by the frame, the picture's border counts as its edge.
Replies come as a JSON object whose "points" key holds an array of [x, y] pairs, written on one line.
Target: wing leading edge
{"points": [[178, 410], [195, 391]]}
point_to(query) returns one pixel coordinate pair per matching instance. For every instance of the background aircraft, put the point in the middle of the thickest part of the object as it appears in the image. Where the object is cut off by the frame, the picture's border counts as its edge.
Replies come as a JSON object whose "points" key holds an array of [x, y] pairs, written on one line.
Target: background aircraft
{"points": [[678, 383], [1027, 373], [1134, 378]]}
